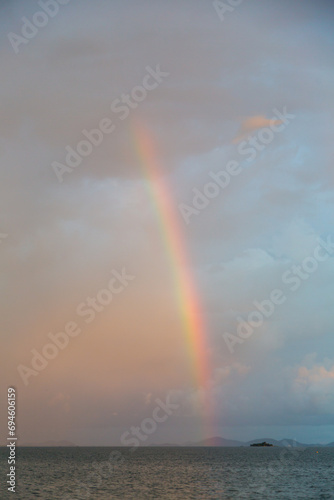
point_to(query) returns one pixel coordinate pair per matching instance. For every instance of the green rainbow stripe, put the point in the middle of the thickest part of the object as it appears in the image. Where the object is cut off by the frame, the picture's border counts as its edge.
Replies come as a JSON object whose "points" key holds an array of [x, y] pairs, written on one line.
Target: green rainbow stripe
{"points": [[187, 297]]}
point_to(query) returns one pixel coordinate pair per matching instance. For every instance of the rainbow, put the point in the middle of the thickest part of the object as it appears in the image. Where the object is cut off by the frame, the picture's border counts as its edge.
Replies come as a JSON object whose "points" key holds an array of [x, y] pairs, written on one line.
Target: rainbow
{"points": [[190, 308]]}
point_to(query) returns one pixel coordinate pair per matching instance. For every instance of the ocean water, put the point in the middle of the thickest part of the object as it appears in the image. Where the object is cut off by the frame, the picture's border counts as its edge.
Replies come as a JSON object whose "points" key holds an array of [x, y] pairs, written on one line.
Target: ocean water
{"points": [[171, 473]]}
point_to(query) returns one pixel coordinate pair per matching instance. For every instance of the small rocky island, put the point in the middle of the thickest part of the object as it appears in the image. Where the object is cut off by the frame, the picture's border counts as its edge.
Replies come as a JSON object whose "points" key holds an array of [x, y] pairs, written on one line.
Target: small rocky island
{"points": [[262, 444]]}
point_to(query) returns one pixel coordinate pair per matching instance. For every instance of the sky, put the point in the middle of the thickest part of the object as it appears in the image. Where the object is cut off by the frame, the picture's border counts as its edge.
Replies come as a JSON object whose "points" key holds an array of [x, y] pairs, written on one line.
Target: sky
{"points": [[210, 161]]}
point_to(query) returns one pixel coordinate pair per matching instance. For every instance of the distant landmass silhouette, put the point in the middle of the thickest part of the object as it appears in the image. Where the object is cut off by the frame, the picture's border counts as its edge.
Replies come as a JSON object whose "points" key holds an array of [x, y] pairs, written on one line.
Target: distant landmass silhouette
{"points": [[263, 444], [214, 441], [219, 441]]}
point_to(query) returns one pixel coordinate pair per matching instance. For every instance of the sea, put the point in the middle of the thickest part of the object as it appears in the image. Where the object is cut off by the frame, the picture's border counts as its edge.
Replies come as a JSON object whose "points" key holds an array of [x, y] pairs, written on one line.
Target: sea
{"points": [[171, 473]]}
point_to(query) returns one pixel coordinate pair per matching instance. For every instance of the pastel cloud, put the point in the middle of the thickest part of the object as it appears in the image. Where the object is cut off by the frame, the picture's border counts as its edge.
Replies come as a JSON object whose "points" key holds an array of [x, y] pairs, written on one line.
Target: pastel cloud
{"points": [[249, 125], [63, 241]]}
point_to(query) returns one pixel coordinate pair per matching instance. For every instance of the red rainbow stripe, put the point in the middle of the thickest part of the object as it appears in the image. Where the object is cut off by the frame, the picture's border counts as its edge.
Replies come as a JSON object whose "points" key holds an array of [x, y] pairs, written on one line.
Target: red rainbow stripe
{"points": [[185, 289]]}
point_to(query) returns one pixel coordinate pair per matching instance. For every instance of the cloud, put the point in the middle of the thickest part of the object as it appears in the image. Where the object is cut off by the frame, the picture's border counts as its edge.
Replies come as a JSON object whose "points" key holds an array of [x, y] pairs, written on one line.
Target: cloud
{"points": [[313, 389], [64, 240], [314, 376], [249, 125]]}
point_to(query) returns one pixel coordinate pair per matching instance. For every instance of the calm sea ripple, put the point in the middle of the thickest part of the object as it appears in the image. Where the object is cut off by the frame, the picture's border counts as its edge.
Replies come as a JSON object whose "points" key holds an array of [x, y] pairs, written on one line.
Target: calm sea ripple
{"points": [[171, 473]]}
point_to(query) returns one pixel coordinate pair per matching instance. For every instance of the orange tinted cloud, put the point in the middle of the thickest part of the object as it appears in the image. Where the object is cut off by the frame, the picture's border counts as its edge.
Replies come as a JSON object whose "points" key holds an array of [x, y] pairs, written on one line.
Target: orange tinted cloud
{"points": [[249, 125]]}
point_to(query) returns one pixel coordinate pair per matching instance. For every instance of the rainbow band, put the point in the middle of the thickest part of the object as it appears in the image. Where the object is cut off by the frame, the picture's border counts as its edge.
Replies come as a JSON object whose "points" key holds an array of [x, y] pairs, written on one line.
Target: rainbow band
{"points": [[185, 289]]}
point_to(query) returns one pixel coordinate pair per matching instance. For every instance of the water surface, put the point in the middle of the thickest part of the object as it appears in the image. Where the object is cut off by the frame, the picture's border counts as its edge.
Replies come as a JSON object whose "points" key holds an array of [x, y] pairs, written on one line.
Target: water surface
{"points": [[172, 473]]}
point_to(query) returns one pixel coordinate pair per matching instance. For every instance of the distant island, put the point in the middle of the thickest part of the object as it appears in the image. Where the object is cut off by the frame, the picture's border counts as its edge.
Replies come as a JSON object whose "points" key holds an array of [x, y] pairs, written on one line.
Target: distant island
{"points": [[262, 444], [216, 441], [219, 441]]}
